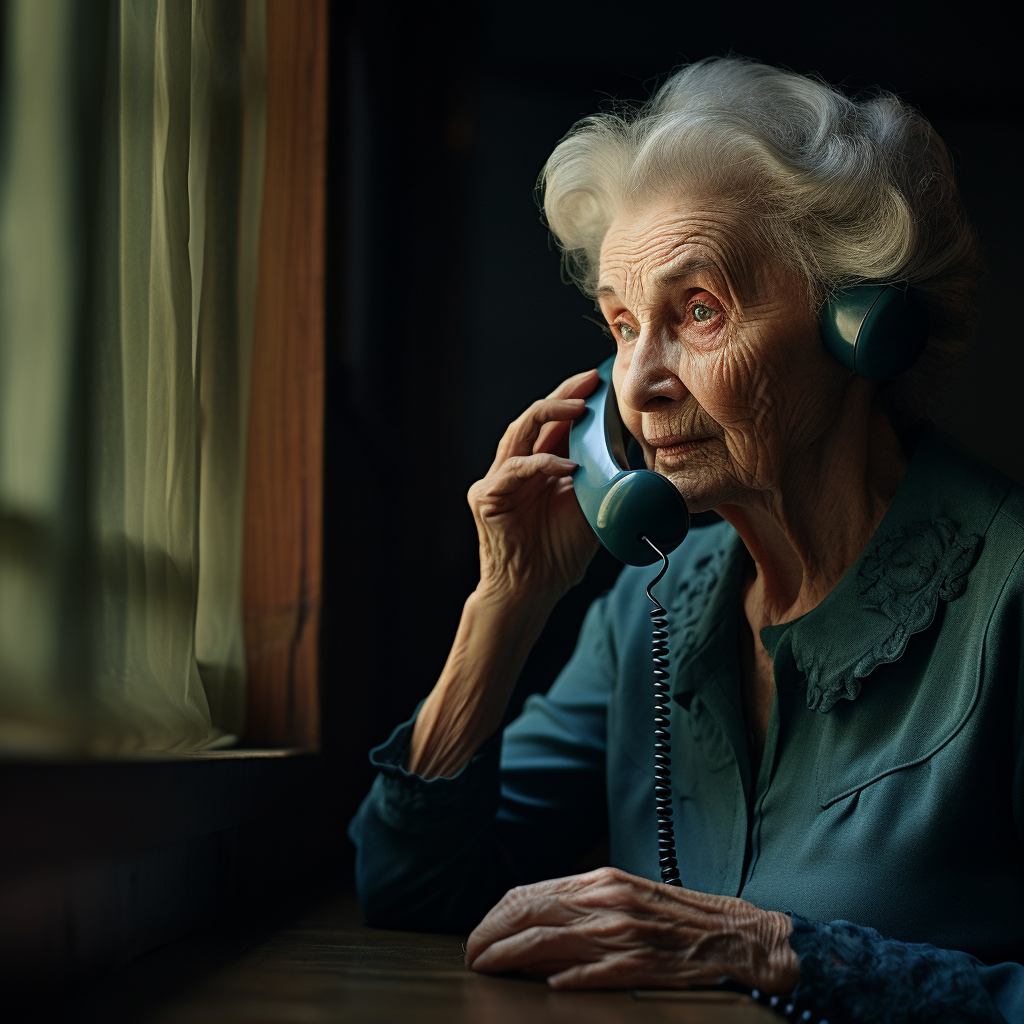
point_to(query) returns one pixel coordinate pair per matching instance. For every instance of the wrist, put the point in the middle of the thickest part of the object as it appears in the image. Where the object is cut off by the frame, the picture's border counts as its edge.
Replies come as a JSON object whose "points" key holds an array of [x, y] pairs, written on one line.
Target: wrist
{"points": [[504, 623], [515, 599], [780, 966]]}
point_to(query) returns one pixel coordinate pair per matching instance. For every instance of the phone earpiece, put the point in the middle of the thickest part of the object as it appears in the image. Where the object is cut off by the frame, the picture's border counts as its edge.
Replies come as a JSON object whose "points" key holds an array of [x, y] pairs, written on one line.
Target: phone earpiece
{"points": [[877, 331]]}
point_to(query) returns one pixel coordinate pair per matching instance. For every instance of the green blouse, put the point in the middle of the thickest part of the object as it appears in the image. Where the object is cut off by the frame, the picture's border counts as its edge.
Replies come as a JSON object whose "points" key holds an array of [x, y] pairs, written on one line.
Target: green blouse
{"points": [[891, 790]]}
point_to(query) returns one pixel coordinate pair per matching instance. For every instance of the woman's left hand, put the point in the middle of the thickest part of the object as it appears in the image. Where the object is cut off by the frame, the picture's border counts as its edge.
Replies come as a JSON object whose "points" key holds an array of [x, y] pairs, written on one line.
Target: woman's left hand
{"points": [[610, 929]]}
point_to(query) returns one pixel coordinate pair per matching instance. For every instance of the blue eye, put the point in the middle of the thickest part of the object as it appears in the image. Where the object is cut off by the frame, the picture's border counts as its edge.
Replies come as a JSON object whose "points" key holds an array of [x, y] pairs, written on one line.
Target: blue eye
{"points": [[627, 333], [702, 313]]}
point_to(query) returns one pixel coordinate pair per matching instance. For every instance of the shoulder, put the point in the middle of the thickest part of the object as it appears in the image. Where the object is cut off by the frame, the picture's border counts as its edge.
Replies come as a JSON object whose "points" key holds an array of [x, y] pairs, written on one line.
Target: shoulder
{"points": [[992, 508], [1008, 524], [989, 597], [950, 490], [987, 500]]}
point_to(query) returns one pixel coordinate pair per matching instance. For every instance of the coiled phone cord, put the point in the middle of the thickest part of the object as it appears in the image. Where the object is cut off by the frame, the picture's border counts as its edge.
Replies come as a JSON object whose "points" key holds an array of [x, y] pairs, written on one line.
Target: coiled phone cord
{"points": [[662, 736], [663, 774]]}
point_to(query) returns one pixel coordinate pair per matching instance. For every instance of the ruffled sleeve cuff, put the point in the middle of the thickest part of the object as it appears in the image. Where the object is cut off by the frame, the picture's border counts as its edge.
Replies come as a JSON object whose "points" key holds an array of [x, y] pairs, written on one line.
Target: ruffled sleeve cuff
{"points": [[849, 973], [407, 801]]}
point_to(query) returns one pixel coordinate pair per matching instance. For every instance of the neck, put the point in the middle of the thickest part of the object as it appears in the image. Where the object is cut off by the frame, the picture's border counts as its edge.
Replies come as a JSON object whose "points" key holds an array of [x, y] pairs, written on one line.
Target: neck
{"points": [[806, 531]]}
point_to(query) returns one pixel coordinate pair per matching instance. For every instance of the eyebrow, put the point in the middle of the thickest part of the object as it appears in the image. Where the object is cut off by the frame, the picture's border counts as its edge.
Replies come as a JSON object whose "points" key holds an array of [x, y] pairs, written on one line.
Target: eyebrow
{"points": [[688, 268]]}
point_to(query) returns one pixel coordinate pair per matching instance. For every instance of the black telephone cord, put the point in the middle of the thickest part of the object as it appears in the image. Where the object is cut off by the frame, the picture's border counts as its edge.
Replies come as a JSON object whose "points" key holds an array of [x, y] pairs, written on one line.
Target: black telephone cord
{"points": [[663, 774], [662, 736]]}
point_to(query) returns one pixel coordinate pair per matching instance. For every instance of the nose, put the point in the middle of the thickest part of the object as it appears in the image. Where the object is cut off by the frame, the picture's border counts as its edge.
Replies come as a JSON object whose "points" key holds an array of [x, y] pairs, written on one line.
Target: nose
{"points": [[648, 376]]}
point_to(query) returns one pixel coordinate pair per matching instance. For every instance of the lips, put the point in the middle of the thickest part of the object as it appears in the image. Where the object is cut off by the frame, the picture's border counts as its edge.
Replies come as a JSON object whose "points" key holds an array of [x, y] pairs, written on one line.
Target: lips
{"points": [[673, 441], [672, 445], [668, 440]]}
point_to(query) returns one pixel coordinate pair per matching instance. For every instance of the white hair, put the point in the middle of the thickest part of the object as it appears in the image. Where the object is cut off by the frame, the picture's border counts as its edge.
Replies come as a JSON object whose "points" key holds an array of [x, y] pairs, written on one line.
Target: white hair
{"points": [[842, 191]]}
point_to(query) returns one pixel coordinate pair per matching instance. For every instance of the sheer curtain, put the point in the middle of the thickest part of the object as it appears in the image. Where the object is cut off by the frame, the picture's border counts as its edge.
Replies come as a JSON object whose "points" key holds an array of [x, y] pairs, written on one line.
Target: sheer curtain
{"points": [[131, 162]]}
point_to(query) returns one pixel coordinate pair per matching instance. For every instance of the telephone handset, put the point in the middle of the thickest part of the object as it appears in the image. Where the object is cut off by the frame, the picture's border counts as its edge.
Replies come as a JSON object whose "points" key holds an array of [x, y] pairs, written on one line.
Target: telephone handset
{"points": [[621, 500]]}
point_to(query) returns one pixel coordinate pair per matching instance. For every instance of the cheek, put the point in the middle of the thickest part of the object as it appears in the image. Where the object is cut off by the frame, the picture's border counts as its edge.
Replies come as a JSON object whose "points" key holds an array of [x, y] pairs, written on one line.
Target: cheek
{"points": [[731, 384], [808, 386], [769, 395], [767, 361]]}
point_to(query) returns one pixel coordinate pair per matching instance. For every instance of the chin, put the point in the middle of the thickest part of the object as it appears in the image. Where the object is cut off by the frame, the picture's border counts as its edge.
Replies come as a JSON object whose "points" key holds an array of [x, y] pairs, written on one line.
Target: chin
{"points": [[702, 491]]}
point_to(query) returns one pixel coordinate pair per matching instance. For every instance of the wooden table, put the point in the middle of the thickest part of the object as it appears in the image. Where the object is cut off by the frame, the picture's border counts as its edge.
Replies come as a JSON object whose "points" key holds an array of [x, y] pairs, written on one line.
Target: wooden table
{"points": [[330, 969]]}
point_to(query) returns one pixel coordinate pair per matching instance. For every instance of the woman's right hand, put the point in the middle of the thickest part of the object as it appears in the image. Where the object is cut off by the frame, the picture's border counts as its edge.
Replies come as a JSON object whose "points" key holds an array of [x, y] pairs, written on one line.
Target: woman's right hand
{"points": [[534, 545], [534, 540]]}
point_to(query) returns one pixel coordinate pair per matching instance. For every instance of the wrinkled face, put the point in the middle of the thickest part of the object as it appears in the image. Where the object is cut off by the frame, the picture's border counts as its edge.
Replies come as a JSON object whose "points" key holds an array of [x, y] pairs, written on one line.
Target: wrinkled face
{"points": [[719, 371]]}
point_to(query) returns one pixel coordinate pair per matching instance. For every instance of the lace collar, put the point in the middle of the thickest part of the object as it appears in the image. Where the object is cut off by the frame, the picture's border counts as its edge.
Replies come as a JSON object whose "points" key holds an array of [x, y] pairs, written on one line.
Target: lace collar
{"points": [[892, 593], [921, 554]]}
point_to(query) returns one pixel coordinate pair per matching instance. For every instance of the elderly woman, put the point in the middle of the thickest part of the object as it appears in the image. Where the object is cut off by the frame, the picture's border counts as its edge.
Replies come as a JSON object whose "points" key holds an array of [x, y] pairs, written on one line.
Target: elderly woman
{"points": [[847, 712]]}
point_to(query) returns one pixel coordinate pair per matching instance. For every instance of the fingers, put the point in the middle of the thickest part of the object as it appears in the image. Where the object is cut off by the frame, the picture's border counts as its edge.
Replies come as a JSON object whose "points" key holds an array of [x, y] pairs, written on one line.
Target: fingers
{"points": [[536, 947], [564, 404], [554, 438], [613, 972], [602, 974], [630, 970], [577, 386], [515, 471], [518, 909], [610, 929], [523, 432], [554, 901], [608, 893]]}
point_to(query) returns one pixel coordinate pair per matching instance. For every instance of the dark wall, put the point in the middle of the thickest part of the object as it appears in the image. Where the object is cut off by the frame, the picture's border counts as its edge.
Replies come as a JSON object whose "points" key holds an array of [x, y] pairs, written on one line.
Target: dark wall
{"points": [[446, 313]]}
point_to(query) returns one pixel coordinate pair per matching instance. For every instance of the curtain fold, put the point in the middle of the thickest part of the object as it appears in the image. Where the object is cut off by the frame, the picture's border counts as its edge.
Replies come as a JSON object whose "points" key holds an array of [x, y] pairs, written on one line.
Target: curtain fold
{"points": [[120, 604], [238, 138], [38, 298]]}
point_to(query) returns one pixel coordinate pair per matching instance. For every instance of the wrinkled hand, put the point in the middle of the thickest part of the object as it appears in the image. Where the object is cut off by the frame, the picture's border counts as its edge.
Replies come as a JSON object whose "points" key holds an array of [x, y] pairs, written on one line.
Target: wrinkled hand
{"points": [[610, 929], [534, 540]]}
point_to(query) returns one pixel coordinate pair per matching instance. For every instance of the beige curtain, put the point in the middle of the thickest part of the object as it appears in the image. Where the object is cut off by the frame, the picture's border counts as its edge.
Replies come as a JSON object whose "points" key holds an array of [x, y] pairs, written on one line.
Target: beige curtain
{"points": [[131, 154]]}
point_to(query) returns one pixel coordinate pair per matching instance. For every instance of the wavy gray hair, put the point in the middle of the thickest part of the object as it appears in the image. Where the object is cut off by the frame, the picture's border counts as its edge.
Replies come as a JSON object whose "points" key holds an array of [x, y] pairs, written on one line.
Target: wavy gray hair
{"points": [[842, 191]]}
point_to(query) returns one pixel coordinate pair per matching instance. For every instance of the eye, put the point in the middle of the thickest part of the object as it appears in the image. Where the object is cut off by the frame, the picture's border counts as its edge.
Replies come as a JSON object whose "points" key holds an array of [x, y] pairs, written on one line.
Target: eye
{"points": [[702, 313], [626, 333]]}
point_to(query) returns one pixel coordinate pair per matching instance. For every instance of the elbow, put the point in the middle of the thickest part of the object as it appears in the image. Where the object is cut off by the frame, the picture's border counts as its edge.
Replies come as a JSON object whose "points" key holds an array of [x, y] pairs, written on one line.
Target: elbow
{"points": [[417, 900], [415, 882]]}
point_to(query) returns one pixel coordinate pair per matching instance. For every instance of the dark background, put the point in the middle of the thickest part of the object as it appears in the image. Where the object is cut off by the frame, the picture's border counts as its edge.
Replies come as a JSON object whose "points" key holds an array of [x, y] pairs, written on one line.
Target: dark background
{"points": [[446, 314]]}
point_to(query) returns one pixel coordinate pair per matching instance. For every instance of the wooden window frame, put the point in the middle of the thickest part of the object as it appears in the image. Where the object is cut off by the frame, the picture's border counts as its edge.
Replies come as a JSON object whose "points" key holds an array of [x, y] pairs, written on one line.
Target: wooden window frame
{"points": [[284, 477]]}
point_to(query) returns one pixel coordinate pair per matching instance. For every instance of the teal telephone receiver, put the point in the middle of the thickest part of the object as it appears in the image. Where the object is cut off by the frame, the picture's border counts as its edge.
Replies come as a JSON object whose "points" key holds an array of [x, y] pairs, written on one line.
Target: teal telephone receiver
{"points": [[876, 331], [620, 499]]}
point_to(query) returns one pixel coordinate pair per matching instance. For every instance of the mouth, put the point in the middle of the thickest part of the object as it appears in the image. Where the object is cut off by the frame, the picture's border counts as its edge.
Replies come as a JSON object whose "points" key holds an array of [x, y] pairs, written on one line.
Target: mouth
{"points": [[675, 446]]}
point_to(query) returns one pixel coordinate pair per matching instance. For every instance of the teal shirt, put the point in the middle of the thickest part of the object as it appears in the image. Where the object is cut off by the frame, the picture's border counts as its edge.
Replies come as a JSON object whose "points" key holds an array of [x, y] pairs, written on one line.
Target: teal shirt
{"points": [[891, 791]]}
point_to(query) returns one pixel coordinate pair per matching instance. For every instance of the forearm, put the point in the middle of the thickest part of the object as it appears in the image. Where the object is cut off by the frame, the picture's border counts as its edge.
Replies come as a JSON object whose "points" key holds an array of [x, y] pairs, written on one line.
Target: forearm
{"points": [[468, 702]]}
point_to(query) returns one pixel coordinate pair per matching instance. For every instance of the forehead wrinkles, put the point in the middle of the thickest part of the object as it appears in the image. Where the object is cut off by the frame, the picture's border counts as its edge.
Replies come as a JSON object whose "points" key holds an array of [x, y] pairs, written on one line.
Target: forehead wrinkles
{"points": [[635, 255]]}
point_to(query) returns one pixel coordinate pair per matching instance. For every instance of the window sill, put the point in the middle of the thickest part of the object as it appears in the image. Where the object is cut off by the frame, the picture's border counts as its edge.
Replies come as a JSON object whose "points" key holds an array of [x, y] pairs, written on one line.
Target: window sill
{"points": [[71, 811], [104, 860]]}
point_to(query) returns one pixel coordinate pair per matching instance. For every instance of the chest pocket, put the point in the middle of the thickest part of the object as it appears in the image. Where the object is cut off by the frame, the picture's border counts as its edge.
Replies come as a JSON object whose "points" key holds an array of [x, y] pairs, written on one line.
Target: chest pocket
{"points": [[905, 713]]}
